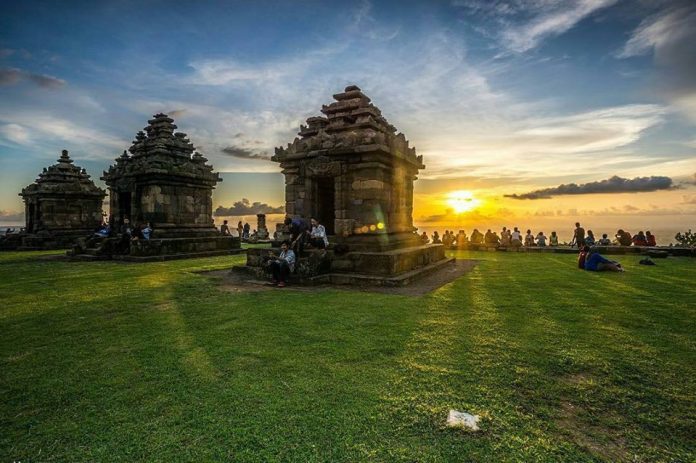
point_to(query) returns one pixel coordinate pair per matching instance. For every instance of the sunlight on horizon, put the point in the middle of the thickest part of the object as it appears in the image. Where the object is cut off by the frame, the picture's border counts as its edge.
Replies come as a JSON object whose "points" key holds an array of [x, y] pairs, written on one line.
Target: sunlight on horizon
{"points": [[462, 201]]}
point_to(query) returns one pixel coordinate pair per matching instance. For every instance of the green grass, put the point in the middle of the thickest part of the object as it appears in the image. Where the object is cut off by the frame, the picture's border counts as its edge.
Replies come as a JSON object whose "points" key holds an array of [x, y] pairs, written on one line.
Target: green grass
{"points": [[152, 362]]}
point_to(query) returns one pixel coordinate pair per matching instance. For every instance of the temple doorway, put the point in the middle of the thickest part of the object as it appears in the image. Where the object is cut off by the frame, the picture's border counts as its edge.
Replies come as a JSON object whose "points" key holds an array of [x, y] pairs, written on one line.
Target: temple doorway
{"points": [[124, 206], [326, 203]]}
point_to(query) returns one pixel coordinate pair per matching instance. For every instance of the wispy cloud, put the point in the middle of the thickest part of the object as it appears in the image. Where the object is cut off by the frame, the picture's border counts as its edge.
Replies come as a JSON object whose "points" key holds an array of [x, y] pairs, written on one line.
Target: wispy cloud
{"points": [[15, 133], [614, 184], [22, 127], [11, 76], [553, 20], [542, 19]]}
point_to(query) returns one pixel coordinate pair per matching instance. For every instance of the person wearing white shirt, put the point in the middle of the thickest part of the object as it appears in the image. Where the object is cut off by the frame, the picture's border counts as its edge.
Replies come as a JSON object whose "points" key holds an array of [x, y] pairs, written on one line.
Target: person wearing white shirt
{"points": [[516, 238], [317, 236]]}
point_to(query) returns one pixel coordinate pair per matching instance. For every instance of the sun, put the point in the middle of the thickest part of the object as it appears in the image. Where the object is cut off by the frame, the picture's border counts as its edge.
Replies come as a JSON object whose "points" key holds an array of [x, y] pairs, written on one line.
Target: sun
{"points": [[462, 201]]}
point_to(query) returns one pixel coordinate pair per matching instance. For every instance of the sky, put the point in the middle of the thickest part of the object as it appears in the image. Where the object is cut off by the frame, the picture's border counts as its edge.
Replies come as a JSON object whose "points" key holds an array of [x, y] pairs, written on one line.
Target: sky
{"points": [[507, 100]]}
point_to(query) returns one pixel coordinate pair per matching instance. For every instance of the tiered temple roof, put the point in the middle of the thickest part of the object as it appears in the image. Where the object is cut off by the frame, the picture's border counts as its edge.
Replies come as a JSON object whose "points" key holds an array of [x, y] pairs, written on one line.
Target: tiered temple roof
{"points": [[63, 179], [353, 123], [158, 149]]}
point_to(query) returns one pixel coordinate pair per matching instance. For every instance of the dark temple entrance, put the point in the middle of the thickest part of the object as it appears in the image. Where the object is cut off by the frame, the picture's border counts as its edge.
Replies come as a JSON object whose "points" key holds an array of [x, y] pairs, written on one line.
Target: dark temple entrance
{"points": [[124, 206], [325, 203]]}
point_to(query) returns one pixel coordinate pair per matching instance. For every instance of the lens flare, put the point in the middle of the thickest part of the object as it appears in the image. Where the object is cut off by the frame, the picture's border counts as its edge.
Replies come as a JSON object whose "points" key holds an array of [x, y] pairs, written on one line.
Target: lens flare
{"points": [[462, 201]]}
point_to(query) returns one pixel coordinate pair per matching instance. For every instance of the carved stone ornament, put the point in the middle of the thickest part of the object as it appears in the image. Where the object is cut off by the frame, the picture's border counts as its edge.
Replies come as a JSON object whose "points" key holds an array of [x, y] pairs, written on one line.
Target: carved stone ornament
{"points": [[322, 166]]}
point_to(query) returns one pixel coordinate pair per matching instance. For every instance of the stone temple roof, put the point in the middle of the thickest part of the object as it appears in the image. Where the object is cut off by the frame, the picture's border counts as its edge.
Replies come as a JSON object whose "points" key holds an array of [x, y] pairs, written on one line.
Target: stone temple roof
{"points": [[158, 149], [63, 178], [351, 122]]}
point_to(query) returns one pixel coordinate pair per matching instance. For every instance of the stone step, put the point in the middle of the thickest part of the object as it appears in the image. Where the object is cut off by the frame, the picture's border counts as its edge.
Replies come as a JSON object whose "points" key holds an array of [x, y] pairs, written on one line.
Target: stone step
{"points": [[401, 279]]}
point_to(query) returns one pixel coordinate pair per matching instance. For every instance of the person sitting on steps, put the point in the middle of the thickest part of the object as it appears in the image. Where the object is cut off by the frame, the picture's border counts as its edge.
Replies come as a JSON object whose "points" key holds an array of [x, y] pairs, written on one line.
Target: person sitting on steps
{"points": [[317, 236], [282, 266]]}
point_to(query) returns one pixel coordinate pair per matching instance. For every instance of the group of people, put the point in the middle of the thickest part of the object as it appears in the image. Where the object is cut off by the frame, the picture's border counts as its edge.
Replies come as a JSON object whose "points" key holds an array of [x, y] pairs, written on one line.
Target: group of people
{"points": [[515, 238], [507, 237], [302, 233], [243, 230], [621, 238]]}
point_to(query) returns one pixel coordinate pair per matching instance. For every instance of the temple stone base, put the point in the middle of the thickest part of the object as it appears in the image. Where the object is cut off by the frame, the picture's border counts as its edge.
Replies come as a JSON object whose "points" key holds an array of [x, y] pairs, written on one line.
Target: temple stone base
{"points": [[42, 240], [396, 267], [161, 249]]}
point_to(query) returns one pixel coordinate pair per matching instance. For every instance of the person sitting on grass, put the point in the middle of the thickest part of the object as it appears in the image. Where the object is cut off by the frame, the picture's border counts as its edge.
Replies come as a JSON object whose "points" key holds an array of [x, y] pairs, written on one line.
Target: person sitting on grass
{"points": [[604, 241], [595, 262], [488, 237], [541, 240], [590, 239], [317, 236], [650, 238], [553, 239], [282, 266]]}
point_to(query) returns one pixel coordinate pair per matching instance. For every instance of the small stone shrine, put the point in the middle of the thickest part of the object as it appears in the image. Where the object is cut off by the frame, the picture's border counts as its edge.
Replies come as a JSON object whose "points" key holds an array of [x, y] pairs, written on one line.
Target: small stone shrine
{"points": [[165, 182], [261, 230], [355, 173], [63, 204]]}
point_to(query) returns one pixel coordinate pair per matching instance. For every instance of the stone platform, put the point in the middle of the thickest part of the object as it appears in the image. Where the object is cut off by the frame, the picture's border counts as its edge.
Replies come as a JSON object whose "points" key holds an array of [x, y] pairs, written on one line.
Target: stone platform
{"points": [[397, 267], [163, 249]]}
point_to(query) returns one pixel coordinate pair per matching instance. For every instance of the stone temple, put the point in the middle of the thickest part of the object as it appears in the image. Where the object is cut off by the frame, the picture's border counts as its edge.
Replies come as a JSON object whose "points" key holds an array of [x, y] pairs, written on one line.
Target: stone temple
{"points": [[63, 204], [354, 172], [165, 182]]}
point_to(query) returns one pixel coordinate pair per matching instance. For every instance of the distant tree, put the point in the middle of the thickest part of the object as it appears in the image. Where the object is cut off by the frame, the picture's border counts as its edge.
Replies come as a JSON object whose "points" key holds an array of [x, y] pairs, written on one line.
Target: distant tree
{"points": [[687, 239]]}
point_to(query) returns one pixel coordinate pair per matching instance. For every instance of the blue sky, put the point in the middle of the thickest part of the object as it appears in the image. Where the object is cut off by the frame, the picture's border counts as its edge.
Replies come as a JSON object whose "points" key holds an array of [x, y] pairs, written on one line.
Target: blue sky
{"points": [[499, 96]]}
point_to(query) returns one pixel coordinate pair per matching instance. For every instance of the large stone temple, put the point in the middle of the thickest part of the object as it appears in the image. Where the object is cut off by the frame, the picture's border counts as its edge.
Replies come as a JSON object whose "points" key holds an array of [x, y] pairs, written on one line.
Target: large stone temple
{"points": [[352, 170], [163, 181], [62, 205]]}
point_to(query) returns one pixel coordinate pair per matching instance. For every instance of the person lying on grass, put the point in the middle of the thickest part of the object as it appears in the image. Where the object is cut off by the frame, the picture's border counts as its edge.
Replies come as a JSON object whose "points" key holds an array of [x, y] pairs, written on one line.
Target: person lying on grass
{"points": [[592, 261], [282, 266]]}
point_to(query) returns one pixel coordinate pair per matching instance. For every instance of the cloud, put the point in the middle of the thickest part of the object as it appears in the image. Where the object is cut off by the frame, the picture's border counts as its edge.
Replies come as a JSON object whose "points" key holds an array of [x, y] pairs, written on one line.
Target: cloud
{"points": [[670, 36], [11, 76], [15, 133], [542, 19], [50, 129], [551, 22], [245, 207], [11, 216], [614, 184], [245, 153]]}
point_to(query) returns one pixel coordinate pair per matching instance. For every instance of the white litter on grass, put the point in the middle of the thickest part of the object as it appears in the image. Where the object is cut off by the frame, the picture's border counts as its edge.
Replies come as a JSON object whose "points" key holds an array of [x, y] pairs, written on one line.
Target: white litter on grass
{"points": [[457, 419]]}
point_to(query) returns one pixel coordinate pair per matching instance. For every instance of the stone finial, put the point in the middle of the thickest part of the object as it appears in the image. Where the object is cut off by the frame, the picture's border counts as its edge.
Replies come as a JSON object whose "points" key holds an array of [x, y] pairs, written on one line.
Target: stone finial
{"points": [[64, 157]]}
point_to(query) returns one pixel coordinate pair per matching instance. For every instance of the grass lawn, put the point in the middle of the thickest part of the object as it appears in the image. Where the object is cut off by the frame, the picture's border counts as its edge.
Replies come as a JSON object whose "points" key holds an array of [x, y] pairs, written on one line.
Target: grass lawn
{"points": [[151, 362]]}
